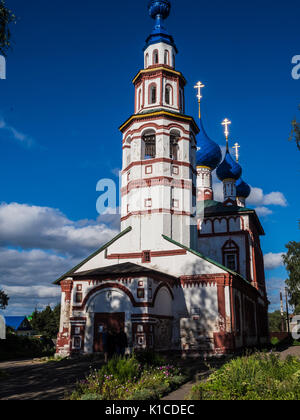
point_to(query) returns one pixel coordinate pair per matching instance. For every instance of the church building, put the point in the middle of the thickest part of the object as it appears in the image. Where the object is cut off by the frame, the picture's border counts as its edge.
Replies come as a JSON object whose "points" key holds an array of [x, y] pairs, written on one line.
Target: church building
{"points": [[186, 273]]}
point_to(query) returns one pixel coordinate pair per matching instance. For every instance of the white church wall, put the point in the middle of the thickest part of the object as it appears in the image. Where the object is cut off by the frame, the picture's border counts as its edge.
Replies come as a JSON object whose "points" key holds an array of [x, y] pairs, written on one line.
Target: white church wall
{"points": [[161, 47], [196, 317]]}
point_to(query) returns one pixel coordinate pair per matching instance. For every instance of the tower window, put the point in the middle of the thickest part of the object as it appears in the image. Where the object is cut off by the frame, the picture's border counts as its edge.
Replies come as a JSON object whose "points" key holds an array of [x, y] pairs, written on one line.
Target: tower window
{"points": [[152, 94], [155, 57], [169, 95], [231, 256], [147, 60], [231, 262], [150, 146], [166, 57], [174, 137]]}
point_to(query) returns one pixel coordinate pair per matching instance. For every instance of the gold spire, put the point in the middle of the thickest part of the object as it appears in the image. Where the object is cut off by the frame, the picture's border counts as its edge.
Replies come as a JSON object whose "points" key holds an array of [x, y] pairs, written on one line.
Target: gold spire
{"points": [[237, 153], [199, 86], [226, 123]]}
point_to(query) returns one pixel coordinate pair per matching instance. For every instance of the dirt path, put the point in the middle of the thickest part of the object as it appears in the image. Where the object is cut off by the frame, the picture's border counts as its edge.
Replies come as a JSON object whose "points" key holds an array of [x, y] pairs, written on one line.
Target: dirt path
{"points": [[31, 380], [291, 351]]}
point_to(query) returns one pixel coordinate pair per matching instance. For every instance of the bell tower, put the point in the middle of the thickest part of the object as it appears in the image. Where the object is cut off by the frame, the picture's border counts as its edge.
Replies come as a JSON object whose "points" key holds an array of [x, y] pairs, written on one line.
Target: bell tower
{"points": [[159, 147]]}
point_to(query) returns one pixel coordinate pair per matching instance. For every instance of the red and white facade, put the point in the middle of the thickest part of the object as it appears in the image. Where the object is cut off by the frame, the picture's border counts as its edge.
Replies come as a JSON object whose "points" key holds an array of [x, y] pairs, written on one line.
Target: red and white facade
{"points": [[165, 278]]}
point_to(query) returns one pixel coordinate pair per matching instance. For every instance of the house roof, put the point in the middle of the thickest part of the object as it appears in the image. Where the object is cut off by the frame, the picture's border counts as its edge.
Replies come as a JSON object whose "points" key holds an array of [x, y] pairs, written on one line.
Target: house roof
{"points": [[198, 254], [15, 322], [121, 269], [103, 248]]}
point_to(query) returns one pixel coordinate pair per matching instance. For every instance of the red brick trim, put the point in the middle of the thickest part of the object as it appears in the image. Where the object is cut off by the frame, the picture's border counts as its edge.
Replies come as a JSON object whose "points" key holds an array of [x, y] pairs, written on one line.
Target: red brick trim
{"points": [[157, 181], [126, 291], [138, 255], [155, 211], [159, 160]]}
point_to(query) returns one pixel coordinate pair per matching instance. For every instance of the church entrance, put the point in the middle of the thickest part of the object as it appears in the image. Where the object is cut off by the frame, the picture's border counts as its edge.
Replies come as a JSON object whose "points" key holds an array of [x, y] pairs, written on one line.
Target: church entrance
{"points": [[114, 322]]}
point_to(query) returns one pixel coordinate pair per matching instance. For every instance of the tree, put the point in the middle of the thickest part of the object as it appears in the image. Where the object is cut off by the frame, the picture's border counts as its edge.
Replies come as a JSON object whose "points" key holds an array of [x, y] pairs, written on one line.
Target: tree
{"points": [[46, 322], [3, 300], [6, 18], [292, 264], [275, 321], [296, 132]]}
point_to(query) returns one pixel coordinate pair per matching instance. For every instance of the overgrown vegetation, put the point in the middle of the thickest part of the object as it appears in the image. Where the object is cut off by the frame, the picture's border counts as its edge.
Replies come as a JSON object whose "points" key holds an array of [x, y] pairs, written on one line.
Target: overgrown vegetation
{"points": [[129, 379], [292, 264], [17, 347], [296, 132], [3, 300], [6, 18], [46, 322], [255, 377]]}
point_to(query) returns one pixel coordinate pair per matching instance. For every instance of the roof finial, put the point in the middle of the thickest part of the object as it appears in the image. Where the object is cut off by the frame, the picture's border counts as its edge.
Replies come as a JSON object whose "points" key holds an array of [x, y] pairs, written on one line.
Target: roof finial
{"points": [[226, 123], [237, 153], [199, 86]]}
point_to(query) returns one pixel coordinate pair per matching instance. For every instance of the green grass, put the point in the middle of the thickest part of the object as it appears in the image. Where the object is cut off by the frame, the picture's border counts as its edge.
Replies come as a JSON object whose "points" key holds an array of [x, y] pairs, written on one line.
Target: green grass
{"points": [[255, 377]]}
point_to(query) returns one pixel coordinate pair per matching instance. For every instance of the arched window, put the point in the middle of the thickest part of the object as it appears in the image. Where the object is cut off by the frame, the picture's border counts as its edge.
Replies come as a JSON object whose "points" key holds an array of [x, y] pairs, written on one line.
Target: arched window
{"points": [[139, 99], [127, 155], [152, 94], [155, 57], [181, 100], [169, 95], [147, 60], [149, 139], [174, 147], [231, 256], [167, 57], [174, 60]]}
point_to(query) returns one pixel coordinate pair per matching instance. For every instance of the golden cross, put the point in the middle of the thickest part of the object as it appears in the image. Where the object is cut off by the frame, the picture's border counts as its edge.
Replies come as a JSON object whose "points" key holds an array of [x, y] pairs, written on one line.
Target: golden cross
{"points": [[237, 154], [199, 86], [226, 124]]}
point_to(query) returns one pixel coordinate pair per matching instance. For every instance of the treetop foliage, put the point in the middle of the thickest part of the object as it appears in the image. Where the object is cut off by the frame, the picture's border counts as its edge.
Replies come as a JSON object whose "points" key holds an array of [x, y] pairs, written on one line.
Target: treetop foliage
{"points": [[292, 264], [3, 300], [6, 18]]}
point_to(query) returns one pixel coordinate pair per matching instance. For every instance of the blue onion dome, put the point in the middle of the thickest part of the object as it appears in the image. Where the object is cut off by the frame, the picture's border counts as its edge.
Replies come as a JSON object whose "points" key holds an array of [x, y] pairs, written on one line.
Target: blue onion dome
{"points": [[229, 168], [209, 153], [159, 10], [242, 189], [159, 7]]}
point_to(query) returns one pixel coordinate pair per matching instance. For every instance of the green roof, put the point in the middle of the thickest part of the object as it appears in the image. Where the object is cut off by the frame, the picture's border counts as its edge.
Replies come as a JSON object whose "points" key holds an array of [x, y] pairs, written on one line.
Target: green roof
{"points": [[198, 254], [103, 248]]}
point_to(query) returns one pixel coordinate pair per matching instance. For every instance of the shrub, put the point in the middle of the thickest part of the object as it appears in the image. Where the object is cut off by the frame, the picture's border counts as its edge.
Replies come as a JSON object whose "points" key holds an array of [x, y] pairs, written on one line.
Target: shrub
{"points": [[150, 358], [275, 341], [256, 377], [15, 347], [126, 379]]}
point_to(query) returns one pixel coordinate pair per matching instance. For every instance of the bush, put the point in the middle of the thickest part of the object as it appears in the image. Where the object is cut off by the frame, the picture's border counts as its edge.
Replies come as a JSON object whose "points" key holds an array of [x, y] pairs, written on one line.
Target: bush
{"points": [[256, 377], [16, 347], [126, 379], [150, 358]]}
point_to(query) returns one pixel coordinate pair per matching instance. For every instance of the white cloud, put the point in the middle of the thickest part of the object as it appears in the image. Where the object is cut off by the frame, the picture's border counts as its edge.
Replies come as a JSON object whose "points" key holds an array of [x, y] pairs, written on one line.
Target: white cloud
{"points": [[273, 260], [275, 199], [15, 134], [263, 211], [30, 227], [38, 245], [257, 197]]}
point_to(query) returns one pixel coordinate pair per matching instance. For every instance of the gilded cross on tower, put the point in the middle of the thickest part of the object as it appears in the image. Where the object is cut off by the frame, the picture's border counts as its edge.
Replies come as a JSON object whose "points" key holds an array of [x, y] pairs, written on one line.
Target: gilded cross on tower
{"points": [[237, 154], [226, 123], [199, 86]]}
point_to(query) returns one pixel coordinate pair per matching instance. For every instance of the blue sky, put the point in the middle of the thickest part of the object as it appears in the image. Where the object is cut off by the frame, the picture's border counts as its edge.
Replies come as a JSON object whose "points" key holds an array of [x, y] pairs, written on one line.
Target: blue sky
{"points": [[68, 89]]}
